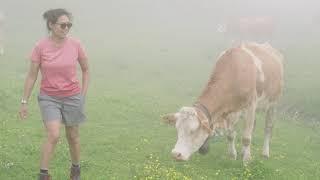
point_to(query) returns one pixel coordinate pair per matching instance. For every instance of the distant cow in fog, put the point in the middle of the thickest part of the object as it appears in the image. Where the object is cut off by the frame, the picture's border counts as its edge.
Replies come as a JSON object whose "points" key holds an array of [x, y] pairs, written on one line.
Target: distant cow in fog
{"points": [[252, 28], [244, 77]]}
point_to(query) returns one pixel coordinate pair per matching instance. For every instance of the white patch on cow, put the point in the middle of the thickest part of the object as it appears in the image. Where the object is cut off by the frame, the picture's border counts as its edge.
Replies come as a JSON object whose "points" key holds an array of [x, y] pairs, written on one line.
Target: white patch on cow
{"points": [[256, 61], [274, 53], [261, 98], [190, 134], [221, 54], [263, 102]]}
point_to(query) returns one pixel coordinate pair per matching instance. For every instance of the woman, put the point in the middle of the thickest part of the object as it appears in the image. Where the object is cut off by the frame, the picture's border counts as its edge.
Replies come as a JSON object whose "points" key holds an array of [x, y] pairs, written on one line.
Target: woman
{"points": [[61, 97]]}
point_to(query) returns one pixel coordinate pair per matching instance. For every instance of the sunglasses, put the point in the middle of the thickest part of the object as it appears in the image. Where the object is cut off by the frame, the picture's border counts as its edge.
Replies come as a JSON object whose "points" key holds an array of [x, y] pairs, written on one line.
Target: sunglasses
{"points": [[64, 25]]}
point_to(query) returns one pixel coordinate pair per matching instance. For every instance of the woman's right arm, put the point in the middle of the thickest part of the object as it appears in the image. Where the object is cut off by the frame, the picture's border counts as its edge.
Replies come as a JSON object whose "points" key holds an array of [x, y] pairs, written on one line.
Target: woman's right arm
{"points": [[28, 86]]}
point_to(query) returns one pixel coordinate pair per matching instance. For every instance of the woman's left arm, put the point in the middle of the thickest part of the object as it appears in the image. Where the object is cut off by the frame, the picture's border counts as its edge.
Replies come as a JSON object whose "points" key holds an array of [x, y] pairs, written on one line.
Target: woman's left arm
{"points": [[85, 75]]}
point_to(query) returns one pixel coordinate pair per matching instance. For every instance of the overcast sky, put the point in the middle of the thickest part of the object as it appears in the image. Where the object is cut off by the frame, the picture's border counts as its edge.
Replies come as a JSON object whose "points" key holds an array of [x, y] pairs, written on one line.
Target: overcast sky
{"points": [[162, 21]]}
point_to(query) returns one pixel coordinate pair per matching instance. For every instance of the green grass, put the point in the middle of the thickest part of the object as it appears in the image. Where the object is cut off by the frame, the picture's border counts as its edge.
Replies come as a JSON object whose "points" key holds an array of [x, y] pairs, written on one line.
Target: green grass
{"points": [[124, 138]]}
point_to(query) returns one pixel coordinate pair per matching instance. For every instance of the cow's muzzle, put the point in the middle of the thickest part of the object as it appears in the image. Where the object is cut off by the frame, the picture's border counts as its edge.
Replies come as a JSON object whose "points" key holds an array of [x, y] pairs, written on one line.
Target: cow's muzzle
{"points": [[178, 156]]}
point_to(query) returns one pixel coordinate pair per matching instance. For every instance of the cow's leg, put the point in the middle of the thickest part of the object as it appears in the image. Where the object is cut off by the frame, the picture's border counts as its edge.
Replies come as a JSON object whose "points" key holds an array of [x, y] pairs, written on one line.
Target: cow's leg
{"points": [[231, 135], [247, 132], [268, 130]]}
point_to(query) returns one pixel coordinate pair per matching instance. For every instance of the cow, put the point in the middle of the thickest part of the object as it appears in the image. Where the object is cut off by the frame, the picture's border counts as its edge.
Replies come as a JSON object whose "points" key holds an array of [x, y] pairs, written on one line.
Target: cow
{"points": [[244, 77], [248, 28]]}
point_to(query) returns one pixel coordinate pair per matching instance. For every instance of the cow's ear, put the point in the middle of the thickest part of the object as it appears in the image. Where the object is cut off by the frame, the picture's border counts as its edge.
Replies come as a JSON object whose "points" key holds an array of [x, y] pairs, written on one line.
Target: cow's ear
{"points": [[169, 119]]}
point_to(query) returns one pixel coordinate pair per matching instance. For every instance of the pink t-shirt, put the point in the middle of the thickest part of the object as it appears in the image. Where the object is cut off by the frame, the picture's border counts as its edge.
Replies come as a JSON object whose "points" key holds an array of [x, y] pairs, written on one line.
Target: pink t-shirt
{"points": [[58, 66]]}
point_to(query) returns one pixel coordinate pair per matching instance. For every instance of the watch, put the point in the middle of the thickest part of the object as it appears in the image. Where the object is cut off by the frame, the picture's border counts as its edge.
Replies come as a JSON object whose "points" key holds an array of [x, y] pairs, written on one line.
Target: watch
{"points": [[23, 101]]}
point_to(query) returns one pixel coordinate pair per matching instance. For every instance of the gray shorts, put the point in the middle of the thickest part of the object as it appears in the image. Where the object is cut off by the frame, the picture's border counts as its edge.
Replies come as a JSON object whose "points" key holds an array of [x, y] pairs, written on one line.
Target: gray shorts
{"points": [[69, 110]]}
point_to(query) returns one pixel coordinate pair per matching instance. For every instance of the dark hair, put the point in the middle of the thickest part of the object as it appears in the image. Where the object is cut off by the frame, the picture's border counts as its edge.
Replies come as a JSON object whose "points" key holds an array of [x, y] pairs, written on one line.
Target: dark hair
{"points": [[52, 15]]}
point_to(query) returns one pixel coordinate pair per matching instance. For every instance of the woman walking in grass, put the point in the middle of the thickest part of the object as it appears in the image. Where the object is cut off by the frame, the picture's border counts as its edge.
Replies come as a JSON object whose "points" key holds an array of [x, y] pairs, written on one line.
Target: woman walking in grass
{"points": [[61, 97]]}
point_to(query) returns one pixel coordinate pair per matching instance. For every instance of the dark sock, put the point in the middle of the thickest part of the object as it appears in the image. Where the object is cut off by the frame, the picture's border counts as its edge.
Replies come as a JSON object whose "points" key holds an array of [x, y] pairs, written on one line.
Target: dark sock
{"points": [[75, 165], [44, 171]]}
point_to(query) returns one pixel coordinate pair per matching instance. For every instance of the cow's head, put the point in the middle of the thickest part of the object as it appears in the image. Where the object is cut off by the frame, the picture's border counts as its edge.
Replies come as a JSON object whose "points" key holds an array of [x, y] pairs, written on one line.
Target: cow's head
{"points": [[193, 129]]}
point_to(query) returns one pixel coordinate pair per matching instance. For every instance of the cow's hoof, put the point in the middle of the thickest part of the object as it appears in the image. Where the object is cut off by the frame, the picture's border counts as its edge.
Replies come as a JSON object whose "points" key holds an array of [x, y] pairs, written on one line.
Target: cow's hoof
{"points": [[204, 150], [265, 155], [246, 162], [233, 156], [232, 153], [246, 159]]}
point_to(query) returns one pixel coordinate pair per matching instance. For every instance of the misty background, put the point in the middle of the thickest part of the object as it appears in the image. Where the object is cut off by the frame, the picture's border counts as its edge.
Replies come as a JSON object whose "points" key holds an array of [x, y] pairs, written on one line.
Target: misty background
{"points": [[171, 31], [167, 24]]}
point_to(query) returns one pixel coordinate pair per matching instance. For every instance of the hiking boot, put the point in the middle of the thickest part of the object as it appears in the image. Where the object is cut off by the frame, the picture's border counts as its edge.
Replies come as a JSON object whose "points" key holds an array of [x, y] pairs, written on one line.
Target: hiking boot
{"points": [[43, 176], [75, 173]]}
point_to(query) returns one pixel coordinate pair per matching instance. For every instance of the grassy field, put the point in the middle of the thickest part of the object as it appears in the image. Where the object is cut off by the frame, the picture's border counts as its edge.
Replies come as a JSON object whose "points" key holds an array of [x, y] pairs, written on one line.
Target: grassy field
{"points": [[124, 137]]}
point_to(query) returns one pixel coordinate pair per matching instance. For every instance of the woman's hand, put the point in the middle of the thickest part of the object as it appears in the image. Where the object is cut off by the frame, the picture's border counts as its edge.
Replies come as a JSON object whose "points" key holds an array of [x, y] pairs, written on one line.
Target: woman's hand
{"points": [[23, 112]]}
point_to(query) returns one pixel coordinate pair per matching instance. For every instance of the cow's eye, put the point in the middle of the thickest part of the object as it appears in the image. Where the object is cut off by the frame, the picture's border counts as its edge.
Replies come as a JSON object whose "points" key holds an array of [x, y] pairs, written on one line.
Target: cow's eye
{"points": [[193, 125]]}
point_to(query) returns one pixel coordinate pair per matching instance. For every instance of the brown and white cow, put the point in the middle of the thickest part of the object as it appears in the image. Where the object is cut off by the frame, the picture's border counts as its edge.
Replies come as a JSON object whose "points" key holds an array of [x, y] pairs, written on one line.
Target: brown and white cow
{"points": [[243, 77]]}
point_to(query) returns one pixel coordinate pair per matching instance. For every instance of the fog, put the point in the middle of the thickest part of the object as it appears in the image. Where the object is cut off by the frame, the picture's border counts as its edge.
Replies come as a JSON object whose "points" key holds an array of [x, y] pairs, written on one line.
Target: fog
{"points": [[165, 24]]}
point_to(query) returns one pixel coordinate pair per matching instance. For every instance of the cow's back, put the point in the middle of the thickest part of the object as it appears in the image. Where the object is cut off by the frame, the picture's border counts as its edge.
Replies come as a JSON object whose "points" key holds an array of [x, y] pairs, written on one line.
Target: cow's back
{"points": [[272, 69], [232, 84]]}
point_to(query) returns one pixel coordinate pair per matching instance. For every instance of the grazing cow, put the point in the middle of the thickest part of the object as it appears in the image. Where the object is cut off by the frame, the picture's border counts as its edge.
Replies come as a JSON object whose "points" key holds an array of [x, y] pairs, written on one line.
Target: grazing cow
{"points": [[1, 34], [248, 28], [243, 77]]}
